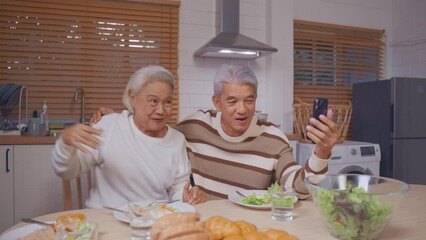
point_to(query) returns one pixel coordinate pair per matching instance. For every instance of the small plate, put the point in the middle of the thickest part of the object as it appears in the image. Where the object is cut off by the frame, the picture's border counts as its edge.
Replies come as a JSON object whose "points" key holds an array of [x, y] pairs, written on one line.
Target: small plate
{"points": [[176, 207], [238, 199], [22, 231]]}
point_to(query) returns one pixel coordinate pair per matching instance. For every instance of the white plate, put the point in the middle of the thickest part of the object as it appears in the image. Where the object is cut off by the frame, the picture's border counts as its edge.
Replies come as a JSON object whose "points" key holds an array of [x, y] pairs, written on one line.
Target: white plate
{"points": [[236, 198], [177, 206], [22, 231]]}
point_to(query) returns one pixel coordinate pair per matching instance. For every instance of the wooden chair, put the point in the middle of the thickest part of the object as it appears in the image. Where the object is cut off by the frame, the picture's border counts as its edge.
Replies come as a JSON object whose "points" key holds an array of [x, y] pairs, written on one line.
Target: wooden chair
{"points": [[69, 194]]}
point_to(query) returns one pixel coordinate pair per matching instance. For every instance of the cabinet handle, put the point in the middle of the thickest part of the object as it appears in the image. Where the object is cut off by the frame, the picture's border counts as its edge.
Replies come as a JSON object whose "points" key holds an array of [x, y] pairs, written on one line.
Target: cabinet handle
{"points": [[7, 160]]}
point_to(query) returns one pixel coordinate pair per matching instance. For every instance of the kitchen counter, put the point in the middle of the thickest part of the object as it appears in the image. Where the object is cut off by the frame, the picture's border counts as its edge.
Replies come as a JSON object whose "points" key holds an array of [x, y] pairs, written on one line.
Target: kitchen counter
{"points": [[26, 140]]}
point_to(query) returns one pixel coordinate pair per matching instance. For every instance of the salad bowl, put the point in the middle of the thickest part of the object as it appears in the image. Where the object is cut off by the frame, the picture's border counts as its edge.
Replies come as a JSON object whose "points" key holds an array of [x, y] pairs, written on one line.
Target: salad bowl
{"points": [[356, 206]]}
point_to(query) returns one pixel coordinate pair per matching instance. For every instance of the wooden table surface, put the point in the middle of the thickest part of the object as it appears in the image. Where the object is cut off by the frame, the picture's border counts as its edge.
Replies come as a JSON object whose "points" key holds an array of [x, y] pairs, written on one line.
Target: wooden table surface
{"points": [[408, 221]]}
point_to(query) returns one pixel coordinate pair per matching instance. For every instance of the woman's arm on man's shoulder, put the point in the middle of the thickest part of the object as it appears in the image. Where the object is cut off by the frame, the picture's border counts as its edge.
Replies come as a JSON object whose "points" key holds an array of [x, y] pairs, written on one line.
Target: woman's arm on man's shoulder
{"points": [[96, 117]]}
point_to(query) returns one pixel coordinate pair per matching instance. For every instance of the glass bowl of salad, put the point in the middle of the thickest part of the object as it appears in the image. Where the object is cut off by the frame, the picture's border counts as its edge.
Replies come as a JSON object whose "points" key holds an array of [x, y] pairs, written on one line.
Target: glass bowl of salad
{"points": [[356, 206]]}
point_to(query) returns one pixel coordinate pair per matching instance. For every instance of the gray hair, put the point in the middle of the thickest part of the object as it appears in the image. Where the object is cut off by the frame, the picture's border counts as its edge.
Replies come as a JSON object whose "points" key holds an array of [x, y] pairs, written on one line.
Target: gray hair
{"points": [[144, 76], [234, 74]]}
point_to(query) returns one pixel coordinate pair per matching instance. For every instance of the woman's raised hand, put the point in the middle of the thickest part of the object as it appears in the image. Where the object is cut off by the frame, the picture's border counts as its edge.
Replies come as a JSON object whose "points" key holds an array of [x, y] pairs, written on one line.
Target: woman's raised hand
{"points": [[79, 135]]}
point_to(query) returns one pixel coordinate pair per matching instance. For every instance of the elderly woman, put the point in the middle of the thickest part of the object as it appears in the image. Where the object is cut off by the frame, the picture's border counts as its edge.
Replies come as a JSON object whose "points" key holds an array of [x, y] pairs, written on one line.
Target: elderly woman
{"points": [[134, 154]]}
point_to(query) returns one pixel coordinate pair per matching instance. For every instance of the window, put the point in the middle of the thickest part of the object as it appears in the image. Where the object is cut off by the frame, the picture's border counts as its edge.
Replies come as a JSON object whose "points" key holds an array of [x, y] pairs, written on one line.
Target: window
{"points": [[55, 46], [329, 58]]}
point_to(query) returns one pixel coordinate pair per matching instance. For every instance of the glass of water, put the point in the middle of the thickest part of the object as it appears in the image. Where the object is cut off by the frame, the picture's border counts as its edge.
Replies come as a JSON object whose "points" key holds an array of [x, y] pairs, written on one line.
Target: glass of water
{"points": [[282, 204], [142, 217]]}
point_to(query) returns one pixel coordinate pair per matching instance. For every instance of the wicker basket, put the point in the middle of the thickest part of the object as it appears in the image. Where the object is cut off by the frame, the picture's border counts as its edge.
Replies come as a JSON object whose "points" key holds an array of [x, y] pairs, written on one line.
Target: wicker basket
{"points": [[302, 111]]}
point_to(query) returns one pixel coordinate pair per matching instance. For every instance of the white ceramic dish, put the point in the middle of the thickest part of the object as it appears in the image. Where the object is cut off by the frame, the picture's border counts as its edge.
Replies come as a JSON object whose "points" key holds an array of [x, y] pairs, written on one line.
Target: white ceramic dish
{"points": [[176, 206], [238, 199], [22, 231]]}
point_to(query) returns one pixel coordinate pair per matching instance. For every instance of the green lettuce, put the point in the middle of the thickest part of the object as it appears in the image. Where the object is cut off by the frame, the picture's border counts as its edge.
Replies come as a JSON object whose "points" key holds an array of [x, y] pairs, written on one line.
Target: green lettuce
{"points": [[353, 213], [255, 199], [82, 232]]}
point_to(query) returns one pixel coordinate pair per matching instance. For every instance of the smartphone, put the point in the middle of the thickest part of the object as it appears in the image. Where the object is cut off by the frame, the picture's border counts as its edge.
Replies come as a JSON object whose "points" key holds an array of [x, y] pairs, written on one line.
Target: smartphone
{"points": [[320, 107]]}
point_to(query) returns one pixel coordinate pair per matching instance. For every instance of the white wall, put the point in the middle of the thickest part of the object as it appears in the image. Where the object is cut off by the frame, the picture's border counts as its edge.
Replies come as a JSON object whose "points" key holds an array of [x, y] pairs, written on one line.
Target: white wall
{"points": [[271, 21], [197, 26], [408, 43]]}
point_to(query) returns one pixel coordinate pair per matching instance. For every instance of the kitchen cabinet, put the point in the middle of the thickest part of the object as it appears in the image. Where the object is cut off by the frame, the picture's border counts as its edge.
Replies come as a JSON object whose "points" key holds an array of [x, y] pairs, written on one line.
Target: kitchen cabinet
{"points": [[36, 190], [6, 186]]}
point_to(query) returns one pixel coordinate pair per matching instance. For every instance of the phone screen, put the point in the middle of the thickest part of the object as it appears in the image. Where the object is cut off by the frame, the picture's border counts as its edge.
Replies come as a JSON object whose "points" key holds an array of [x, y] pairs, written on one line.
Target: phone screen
{"points": [[320, 107]]}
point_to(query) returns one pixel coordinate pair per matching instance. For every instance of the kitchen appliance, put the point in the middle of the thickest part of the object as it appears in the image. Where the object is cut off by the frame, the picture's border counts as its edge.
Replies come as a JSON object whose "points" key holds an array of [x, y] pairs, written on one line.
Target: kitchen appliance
{"points": [[392, 113], [229, 43], [346, 157]]}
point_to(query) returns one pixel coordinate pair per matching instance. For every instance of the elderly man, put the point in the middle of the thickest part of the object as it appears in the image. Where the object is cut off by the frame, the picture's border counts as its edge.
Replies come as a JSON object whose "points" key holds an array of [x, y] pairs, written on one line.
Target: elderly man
{"points": [[230, 149]]}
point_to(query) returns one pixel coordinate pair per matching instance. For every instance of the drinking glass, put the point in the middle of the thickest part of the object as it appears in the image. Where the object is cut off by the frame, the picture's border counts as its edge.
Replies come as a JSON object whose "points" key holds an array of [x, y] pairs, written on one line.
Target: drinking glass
{"points": [[282, 204], [142, 217]]}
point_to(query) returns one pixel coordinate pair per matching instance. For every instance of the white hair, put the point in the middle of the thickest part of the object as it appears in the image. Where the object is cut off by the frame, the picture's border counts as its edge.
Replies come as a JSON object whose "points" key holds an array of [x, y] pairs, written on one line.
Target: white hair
{"points": [[234, 74], [144, 76]]}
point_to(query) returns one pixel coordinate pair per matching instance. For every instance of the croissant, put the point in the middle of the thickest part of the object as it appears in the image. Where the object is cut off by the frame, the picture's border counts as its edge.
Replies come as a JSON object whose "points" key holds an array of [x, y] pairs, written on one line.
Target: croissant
{"points": [[246, 227], [275, 234], [256, 235], [234, 237], [222, 227]]}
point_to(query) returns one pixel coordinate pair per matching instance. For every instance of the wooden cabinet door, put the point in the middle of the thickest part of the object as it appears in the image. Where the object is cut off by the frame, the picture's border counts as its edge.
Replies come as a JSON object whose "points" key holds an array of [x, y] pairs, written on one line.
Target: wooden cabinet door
{"points": [[38, 190], [6, 187]]}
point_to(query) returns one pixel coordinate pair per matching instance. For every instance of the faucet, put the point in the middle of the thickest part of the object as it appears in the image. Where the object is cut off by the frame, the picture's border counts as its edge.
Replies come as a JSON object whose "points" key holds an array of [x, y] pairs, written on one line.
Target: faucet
{"points": [[80, 91]]}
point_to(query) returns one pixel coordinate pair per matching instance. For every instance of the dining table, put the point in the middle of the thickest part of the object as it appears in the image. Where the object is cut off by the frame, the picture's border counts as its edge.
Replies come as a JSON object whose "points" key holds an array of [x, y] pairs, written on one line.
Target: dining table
{"points": [[407, 222]]}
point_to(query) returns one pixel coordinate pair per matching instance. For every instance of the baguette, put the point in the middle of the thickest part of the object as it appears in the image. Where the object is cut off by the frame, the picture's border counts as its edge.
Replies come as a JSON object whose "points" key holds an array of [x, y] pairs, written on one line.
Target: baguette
{"points": [[181, 230], [171, 220], [195, 236]]}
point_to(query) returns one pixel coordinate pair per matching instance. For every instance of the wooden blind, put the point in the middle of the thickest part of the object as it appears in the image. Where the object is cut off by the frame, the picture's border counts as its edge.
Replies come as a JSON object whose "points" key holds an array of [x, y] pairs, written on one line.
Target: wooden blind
{"points": [[329, 58], [55, 46]]}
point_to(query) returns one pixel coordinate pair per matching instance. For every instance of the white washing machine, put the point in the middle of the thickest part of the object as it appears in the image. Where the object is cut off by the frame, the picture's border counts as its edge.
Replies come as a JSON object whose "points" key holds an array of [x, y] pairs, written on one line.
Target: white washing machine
{"points": [[347, 157]]}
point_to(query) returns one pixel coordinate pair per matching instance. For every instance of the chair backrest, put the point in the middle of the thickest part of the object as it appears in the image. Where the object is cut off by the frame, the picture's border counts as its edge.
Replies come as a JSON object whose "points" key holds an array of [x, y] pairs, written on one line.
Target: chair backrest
{"points": [[302, 111], [78, 185]]}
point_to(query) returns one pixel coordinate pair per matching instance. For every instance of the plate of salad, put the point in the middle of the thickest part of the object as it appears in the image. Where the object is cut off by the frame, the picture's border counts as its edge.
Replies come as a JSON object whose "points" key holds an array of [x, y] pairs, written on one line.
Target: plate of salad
{"points": [[259, 199]]}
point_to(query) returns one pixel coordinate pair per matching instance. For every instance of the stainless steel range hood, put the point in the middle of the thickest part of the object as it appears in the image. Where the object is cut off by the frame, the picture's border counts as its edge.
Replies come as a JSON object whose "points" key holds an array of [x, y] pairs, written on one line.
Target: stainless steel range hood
{"points": [[229, 43]]}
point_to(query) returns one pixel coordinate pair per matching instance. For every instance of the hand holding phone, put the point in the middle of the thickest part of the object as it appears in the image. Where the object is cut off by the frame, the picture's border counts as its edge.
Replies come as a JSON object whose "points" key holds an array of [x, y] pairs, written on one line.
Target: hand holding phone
{"points": [[320, 107]]}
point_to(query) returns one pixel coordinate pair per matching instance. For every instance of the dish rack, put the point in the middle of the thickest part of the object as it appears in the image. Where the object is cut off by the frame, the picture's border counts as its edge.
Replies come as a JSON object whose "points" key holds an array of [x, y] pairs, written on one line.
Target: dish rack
{"points": [[13, 95], [302, 111]]}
